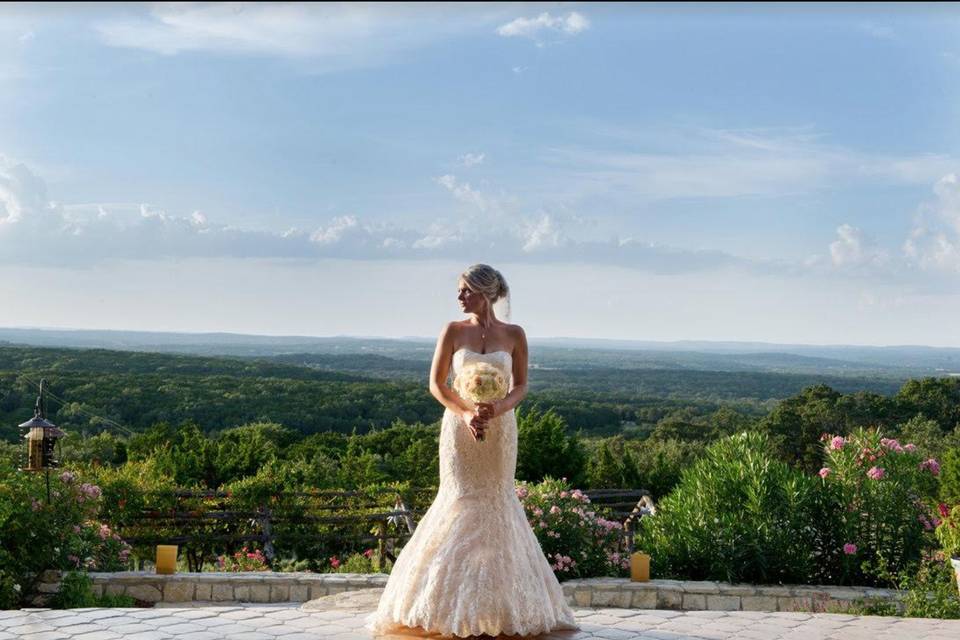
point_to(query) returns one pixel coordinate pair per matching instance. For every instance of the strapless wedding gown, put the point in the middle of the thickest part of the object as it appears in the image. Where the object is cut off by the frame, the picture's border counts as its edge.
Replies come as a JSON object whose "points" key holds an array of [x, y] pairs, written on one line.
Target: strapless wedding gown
{"points": [[473, 565]]}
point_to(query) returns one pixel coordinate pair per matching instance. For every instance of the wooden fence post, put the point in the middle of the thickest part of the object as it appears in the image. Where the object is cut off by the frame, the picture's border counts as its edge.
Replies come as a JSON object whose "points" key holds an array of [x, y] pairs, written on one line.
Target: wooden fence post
{"points": [[266, 530]]}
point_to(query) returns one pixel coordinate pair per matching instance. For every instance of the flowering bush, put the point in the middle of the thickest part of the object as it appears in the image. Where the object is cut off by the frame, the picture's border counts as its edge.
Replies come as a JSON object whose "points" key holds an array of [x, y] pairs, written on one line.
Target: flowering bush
{"points": [[881, 488], [948, 530], [244, 560], [354, 563], [577, 538], [65, 534]]}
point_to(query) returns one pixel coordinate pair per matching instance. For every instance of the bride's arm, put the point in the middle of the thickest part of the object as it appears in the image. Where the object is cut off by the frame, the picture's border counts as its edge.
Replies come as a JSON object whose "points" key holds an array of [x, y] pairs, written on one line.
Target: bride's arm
{"points": [[518, 392], [439, 371]]}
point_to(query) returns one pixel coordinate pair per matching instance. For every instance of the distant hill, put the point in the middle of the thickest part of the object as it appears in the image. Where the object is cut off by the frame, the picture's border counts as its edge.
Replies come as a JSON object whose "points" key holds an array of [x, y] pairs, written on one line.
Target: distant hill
{"points": [[895, 362]]}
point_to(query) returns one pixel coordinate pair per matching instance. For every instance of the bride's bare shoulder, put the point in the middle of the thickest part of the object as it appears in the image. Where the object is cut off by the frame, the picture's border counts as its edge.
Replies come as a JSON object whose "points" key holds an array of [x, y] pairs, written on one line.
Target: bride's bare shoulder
{"points": [[516, 334]]}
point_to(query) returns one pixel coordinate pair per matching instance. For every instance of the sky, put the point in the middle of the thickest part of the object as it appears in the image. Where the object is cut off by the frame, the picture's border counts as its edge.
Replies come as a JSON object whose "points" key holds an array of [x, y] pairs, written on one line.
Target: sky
{"points": [[778, 173]]}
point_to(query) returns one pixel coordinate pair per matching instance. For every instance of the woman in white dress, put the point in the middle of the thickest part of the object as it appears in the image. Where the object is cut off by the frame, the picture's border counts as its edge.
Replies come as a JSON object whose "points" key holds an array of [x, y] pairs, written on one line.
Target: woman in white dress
{"points": [[473, 565]]}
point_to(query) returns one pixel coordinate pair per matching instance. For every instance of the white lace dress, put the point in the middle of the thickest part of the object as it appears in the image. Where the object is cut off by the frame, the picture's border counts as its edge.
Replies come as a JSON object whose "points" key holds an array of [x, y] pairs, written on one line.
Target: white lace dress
{"points": [[473, 565]]}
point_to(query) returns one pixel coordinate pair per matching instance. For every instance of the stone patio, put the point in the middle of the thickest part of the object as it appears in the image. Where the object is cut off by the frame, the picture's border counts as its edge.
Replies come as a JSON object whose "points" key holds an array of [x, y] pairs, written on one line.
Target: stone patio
{"points": [[341, 617]]}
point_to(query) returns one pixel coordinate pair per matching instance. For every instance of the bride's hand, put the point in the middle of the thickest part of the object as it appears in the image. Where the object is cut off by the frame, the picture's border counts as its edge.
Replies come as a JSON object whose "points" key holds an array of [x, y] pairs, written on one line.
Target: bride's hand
{"points": [[489, 410], [476, 422]]}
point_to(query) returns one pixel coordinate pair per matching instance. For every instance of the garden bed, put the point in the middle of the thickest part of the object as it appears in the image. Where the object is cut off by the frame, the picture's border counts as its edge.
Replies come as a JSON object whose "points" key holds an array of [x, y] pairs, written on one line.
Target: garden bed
{"points": [[149, 587]]}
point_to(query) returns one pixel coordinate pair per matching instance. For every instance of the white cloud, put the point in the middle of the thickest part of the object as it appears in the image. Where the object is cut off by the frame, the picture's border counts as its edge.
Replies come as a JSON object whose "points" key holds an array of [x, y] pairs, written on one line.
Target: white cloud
{"points": [[853, 249], [571, 24], [879, 31], [463, 192], [37, 231], [934, 240], [331, 36], [543, 234], [472, 159], [335, 231], [709, 163]]}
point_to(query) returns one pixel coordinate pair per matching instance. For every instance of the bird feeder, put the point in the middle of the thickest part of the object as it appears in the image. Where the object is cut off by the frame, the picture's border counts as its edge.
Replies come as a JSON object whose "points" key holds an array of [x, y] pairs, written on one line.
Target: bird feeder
{"points": [[41, 437]]}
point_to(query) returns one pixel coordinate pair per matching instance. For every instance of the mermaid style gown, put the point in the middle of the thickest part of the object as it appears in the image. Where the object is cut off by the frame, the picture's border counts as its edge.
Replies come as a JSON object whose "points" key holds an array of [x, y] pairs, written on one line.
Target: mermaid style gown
{"points": [[473, 565]]}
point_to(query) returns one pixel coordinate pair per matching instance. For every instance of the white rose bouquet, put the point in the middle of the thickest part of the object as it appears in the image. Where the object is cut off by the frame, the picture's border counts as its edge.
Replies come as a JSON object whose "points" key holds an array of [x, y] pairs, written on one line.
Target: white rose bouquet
{"points": [[480, 382]]}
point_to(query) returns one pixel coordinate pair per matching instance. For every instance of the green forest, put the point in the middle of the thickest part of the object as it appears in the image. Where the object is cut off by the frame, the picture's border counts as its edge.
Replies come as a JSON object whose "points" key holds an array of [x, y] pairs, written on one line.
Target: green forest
{"points": [[209, 421]]}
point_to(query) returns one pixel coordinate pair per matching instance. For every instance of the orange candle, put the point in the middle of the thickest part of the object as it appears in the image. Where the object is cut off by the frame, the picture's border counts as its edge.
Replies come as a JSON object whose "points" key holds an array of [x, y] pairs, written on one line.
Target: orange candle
{"points": [[166, 558], [639, 567]]}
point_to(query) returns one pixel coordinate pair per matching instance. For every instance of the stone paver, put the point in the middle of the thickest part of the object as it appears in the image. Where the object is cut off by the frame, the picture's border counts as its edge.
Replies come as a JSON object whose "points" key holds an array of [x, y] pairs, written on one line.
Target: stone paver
{"points": [[341, 617]]}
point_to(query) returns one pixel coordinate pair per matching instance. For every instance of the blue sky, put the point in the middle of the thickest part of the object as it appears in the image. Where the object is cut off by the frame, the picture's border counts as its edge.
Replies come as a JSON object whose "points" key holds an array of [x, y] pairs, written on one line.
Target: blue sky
{"points": [[734, 172]]}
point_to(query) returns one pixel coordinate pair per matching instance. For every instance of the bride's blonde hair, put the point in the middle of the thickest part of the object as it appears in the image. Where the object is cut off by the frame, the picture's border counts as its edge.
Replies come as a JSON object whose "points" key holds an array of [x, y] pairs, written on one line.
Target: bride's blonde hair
{"points": [[489, 282]]}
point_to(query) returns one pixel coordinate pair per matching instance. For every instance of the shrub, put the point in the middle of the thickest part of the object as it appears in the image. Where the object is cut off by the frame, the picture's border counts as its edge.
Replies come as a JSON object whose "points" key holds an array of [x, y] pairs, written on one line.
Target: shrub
{"points": [[882, 489], [950, 476], [931, 591], [355, 563], [578, 540], [65, 534], [243, 560], [76, 590], [737, 515], [948, 530]]}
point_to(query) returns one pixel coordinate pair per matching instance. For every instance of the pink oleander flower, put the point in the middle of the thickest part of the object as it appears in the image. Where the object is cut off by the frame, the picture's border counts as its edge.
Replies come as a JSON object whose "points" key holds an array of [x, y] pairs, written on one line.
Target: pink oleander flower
{"points": [[90, 490], [522, 492], [543, 525], [891, 444], [334, 562], [910, 447], [849, 549], [944, 510], [837, 442], [537, 511], [932, 465], [554, 509], [368, 553], [104, 532], [76, 528], [67, 477], [824, 472], [876, 473], [564, 494]]}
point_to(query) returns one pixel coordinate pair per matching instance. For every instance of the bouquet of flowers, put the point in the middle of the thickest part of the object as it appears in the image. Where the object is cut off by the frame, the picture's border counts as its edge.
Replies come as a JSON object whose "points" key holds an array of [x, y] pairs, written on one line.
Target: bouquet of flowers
{"points": [[480, 382]]}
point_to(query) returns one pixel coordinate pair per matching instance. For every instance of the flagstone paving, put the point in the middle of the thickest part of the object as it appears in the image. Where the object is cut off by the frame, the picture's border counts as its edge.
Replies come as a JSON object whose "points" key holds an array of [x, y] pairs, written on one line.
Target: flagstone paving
{"points": [[341, 617]]}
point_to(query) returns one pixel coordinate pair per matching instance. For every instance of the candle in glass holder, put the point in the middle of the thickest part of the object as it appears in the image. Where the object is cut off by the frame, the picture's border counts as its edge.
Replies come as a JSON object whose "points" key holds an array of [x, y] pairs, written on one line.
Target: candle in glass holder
{"points": [[166, 558], [639, 567]]}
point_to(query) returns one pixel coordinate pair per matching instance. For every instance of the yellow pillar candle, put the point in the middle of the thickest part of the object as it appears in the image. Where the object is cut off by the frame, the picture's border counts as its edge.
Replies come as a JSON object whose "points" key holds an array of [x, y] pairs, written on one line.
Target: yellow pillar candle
{"points": [[166, 558], [639, 567]]}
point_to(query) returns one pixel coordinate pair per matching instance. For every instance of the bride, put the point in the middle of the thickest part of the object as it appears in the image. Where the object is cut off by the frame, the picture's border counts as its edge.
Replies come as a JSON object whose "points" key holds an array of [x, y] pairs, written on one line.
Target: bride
{"points": [[473, 565]]}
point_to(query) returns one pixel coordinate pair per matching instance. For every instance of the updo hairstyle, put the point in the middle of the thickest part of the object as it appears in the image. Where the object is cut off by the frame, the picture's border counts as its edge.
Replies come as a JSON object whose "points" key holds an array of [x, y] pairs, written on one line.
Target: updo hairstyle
{"points": [[486, 280]]}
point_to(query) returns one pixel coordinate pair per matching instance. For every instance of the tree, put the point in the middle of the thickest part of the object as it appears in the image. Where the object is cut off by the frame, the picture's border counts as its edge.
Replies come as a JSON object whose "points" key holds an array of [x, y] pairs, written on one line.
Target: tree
{"points": [[243, 450], [796, 425], [936, 398], [544, 448]]}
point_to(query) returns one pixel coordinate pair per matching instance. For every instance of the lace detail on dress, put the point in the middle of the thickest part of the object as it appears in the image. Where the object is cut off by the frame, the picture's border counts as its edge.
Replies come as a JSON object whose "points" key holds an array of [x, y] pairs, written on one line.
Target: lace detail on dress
{"points": [[473, 565]]}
